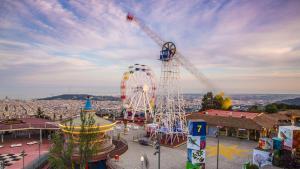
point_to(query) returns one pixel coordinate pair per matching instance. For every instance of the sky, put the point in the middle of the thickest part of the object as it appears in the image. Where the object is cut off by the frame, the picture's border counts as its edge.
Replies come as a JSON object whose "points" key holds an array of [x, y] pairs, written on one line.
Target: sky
{"points": [[57, 46]]}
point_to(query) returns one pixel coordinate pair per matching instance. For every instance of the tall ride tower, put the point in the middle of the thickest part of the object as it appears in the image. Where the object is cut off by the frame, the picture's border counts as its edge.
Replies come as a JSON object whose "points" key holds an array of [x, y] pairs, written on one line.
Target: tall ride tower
{"points": [[170, 115]]}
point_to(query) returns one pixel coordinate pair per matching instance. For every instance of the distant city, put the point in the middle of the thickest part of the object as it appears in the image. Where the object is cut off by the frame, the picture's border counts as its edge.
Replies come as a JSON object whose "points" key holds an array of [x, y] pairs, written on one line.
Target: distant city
{"points": [[68, 105]]}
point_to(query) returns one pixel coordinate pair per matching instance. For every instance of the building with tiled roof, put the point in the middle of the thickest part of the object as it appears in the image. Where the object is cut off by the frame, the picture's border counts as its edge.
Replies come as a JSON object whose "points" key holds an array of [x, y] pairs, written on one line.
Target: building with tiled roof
{"points": [[240, 124]]}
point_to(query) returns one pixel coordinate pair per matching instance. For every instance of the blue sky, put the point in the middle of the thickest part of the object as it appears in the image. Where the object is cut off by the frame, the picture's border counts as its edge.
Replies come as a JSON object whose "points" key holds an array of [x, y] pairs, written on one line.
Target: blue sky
{"points": [[53, 47]]}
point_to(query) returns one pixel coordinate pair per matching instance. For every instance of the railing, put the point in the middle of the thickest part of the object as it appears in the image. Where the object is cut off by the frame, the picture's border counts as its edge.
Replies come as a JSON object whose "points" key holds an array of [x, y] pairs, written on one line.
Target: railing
{"points": [[28, 126], [111, 164], [38, 163], [121, 147]]}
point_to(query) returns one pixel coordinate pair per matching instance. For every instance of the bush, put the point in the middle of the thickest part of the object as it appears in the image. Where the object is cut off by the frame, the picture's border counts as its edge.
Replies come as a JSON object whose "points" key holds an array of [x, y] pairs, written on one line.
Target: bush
{"points": [[253, 166], [271, 108]]}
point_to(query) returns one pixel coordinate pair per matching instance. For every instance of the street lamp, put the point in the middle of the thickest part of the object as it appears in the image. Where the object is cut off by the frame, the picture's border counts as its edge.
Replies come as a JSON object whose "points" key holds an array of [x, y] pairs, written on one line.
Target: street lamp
{"points": [[217, 135], [23, 155], [157, 149], [142, 162], [39, 153]]}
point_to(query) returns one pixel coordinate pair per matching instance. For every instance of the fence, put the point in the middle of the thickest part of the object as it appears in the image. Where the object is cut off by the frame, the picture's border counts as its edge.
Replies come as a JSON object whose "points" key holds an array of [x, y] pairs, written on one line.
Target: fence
{"points": [[38, 163]]}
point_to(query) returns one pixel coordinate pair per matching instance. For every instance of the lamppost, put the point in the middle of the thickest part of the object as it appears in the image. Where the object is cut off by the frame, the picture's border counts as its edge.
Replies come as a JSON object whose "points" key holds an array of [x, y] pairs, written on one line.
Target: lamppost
{"points": [[39, 153], [142, 162], [217, 135], [23, 155], [157, 148]]}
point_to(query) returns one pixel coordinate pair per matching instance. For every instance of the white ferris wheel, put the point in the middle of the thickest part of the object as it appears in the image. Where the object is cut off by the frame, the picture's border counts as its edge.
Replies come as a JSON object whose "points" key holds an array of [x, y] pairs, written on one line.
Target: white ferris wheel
{"points": [[138, 92]]}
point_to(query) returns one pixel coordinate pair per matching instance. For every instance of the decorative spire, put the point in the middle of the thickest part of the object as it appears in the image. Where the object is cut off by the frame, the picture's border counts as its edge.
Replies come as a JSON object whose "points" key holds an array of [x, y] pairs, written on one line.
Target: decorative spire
{"points": [[88, 104]]}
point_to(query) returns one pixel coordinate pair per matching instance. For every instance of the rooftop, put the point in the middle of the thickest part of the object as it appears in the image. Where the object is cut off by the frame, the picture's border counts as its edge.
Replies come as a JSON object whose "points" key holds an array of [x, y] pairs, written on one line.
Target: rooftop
{"points": [[29, 123], [225, 113], [245, 120]]}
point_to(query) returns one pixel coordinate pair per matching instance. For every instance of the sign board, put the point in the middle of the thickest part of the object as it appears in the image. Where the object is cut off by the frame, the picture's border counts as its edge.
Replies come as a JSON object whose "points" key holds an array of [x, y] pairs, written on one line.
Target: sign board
{"points": [[262, 158], [290, 136], [196, 156], [296, 139], [196, 144], [197, 128], [265, 143]]}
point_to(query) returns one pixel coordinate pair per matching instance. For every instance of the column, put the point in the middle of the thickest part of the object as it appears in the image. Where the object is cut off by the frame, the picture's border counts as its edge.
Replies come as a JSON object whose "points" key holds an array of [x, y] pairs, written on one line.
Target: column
{"points": [[255, 135], [226, 131], [248, 134], [2, 137]]}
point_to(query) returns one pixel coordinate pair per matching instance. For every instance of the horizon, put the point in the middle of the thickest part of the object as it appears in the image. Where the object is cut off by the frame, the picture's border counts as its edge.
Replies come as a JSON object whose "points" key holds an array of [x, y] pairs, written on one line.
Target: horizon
{"points": [[297, 95], [48, 48]]}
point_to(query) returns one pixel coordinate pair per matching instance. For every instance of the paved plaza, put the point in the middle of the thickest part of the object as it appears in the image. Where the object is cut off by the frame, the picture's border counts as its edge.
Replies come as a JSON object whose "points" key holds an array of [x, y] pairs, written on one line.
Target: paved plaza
{"points": [[31, 151], [233, 153]]}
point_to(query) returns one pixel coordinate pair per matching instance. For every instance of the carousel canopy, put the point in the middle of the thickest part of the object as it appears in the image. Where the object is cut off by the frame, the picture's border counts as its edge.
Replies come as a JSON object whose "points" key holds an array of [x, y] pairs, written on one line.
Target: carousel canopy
{"points": [[100, 122]]}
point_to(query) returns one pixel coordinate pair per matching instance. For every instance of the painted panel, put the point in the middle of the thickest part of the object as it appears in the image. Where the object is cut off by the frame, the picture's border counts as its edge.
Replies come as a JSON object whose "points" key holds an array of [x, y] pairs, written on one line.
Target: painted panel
{"points": [[286, 134], [262, 158]]}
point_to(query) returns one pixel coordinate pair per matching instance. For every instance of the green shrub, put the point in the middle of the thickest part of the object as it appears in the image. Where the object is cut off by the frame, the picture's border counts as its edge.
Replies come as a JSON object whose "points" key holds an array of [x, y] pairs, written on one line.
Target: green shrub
{"points": [[253, 166]]}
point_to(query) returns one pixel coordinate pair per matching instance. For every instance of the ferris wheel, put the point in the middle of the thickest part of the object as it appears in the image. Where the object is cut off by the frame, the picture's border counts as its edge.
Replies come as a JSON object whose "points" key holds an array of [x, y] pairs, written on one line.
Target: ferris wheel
{"points": [[138, 92]]}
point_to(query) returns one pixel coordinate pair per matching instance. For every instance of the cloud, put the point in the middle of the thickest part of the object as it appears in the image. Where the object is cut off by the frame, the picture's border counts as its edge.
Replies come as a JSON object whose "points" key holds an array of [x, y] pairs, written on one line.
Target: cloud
{"points": [[45, 42]]}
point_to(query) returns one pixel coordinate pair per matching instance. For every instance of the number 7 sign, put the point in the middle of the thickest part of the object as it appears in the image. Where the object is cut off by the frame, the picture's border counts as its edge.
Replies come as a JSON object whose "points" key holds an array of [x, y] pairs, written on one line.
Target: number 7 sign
{"points": [[197, 128]]}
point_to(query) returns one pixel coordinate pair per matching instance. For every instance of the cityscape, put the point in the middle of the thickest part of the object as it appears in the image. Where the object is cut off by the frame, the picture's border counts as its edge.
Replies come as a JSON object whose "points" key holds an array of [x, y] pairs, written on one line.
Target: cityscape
{"points": [[106, 84]]}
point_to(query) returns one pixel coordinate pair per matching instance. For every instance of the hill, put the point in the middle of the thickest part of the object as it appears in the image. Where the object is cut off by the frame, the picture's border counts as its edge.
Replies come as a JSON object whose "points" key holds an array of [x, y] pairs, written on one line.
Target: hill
{"points": [[81, 97], [295, 101]]}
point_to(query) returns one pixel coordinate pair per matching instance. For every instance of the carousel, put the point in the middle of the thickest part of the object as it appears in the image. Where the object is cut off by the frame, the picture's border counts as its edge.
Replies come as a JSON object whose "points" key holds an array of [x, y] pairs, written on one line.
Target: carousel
{"points": [[101, 130]]}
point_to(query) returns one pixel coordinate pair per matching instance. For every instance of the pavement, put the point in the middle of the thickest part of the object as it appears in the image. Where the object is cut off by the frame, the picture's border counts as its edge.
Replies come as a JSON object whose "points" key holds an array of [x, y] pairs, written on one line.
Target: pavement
{"points": [[233, 153], [32, 151]]}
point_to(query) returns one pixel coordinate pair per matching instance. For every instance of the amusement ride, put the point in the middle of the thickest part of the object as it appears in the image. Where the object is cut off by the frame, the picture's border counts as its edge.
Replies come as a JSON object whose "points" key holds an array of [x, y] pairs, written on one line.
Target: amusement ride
{"points": [[169, 117], [138, 92]]}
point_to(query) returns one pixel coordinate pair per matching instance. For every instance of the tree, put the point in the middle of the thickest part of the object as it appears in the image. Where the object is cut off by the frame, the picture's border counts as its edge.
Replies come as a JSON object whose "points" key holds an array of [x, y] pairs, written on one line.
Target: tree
{"points": [[271, 108], [60, 156], [227, 104], [255, 109], [207, 101], [88, 134], [63, 145], [218, 101], [39, 112], [281, 106]]}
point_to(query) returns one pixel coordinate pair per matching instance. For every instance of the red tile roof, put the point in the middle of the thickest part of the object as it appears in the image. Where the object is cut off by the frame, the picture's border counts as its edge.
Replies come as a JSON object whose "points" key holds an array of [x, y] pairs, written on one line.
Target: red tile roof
{"points": [[224, 113], [245, 120]]}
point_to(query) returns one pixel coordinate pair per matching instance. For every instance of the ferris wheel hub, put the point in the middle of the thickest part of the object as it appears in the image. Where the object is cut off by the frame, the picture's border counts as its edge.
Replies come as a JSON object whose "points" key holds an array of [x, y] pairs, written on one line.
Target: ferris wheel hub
{"points": [[145, 88], [168, 51]]}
